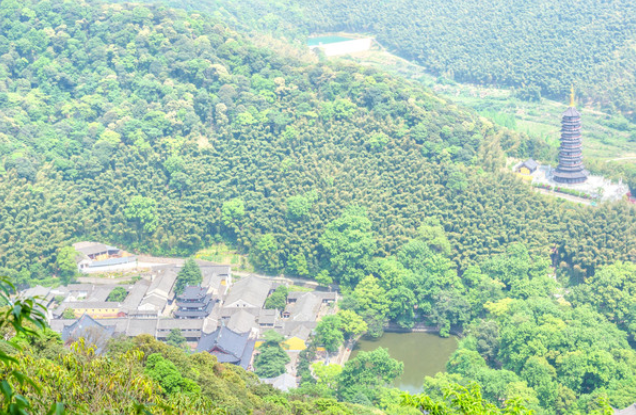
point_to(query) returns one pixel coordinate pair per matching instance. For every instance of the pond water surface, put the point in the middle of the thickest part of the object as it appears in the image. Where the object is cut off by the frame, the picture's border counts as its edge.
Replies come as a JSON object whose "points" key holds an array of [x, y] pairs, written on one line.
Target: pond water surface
{"points": [[325, 40], [423, 354]]}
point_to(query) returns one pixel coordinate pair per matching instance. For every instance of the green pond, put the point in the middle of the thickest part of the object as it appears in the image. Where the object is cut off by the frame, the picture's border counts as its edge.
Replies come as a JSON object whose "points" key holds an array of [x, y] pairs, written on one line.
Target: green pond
{"points": [[325, 40], [423, 354]]}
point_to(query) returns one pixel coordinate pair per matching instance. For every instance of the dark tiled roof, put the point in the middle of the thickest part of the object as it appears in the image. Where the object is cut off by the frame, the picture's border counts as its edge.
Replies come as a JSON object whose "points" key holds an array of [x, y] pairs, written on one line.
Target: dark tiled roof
{"points": [[140, 326], [531, 164], [242, 322], [135, 294], [297, 328], [227, 312], [250, 290], [234, 347], [267, 316], [83, 327], [167, 324], [192, 293], [93, 248], [194, 313], [305, 308]]}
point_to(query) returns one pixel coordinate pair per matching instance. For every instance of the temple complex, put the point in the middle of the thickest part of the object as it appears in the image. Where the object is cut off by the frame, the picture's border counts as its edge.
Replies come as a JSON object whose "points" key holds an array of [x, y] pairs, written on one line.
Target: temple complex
{"points": [[571, 169]]}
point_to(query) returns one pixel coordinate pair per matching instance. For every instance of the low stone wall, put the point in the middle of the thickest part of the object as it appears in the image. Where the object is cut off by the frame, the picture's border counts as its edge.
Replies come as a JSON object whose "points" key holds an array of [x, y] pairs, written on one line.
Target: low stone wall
{"points": [[160, 260], [421, 328]]}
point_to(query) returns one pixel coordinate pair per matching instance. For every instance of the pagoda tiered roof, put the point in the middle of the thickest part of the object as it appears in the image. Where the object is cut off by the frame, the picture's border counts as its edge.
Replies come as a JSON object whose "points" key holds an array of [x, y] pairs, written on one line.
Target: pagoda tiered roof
{"points": [[571, 169]]}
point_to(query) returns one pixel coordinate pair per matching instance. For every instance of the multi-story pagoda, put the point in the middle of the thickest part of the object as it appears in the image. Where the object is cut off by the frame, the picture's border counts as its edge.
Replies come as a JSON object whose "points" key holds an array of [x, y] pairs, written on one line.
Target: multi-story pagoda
{"points": [[571, 169], [195, 302]]}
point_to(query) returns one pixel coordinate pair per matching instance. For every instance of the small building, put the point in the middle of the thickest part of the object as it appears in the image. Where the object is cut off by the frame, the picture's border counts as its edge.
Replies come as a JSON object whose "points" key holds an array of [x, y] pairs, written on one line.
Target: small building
{"points": [[326, 297], [190, 328], [136, 327], [228, 346], [96, 310], [527, 167], [160, 293], [136, 293], [162, 282], [41, 295], [216, 278], [284, 382], [194, 302], [98, 255], [267, 318], [299, 330], [152, 304], [97, 251]]}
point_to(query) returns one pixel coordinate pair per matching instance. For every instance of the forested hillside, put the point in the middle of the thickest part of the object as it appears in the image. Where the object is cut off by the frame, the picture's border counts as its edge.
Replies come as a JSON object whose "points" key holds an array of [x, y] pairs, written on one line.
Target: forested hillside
{"points": [[538, 46]]}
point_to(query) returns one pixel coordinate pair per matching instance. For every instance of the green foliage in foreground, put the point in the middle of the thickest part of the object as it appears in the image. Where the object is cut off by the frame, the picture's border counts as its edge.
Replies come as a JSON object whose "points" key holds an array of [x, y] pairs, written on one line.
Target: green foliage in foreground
{"points": [[145, 376], [585, 355]]}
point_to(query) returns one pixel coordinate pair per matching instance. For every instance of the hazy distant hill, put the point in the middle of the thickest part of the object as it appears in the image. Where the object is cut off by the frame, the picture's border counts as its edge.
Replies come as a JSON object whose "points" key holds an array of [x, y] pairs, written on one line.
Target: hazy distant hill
{"points": [[541, 44]]}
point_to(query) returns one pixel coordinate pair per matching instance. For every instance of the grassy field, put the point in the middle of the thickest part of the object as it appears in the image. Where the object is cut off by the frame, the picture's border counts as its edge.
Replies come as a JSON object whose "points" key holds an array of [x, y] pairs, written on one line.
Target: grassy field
{"points": [[222, 254], [606, 137]]}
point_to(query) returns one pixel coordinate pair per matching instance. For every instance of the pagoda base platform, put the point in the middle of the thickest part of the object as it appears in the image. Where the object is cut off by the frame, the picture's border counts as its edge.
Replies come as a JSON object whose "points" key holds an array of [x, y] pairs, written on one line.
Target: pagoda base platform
{"points": [[596, 187]]}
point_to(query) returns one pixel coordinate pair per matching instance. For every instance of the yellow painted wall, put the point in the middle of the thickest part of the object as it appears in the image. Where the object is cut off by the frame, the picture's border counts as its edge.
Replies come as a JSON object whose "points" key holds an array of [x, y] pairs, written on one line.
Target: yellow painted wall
{"points": [[524, 170], [525, 177], [295, 344], [96, 312]]}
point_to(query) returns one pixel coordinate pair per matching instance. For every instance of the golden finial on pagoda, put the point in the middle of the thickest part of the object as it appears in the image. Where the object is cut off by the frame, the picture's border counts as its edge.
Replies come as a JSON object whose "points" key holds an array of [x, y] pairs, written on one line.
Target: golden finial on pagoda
{"points": [[572, 96]]}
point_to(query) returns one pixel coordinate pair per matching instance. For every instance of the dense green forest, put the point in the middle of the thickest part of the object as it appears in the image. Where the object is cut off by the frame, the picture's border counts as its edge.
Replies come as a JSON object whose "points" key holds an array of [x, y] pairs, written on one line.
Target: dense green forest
{"points": [[529, 52], [538, 47], [164, 131]]}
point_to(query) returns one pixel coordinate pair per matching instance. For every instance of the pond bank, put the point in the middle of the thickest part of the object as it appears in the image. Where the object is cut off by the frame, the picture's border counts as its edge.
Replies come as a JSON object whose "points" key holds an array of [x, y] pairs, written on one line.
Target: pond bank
{"points": [[421, 328]]}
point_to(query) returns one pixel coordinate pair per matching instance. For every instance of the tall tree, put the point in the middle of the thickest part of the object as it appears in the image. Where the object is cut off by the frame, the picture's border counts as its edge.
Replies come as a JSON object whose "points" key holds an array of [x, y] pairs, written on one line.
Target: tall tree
{"points": [[189, 275], [329, 333]]}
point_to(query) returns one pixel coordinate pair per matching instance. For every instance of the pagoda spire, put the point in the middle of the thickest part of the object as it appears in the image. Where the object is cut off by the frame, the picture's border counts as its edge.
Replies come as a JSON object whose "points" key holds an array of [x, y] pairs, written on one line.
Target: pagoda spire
{"points": [[572, 96]]}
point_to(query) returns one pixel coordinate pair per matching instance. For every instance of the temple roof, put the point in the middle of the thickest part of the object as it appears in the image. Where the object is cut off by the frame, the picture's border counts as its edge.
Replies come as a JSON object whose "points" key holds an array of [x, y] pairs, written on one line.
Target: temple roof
{"points": [[571, 112], [192, 293], [228, 346]]}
